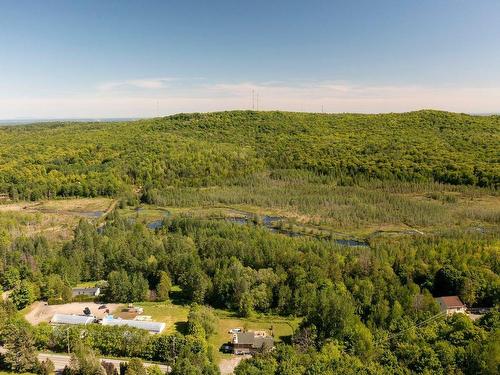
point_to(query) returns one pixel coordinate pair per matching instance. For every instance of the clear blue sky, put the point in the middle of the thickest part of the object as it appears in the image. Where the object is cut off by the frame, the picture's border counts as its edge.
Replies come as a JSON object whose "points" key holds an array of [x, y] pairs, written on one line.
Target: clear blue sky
{"points": [[142, 58]]}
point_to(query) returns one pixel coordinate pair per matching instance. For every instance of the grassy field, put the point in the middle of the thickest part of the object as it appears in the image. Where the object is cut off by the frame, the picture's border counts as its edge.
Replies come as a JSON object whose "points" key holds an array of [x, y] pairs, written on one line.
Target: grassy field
{"points": [[175, 317], [322, 209], [54, 219], [281, 328], [306, 207]]}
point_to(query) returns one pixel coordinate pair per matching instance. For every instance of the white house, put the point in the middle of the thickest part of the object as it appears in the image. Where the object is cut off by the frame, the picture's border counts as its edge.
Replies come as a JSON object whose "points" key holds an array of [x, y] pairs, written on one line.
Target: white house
{"points": [[451, 305]]}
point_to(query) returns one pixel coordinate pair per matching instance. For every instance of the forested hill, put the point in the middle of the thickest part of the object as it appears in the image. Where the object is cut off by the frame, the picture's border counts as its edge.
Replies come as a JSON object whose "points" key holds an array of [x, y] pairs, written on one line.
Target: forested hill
{"points": [[89, 159]]}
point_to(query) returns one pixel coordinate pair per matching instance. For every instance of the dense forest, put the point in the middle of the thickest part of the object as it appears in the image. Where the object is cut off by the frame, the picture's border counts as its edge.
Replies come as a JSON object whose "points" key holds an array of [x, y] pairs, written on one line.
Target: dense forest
{"points": [[430, 178], [365, 309], [197, 150]]}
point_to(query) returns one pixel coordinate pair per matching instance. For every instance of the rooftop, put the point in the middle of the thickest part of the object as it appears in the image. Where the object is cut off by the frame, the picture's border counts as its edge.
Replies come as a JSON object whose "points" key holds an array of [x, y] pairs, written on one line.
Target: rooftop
{"points": [[251, 338], [71, 319], [154, 327], [451, 301]]}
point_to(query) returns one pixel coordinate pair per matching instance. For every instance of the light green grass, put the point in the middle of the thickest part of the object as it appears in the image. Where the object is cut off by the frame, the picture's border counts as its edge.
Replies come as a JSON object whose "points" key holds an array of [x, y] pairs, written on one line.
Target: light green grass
{"points": [[175, 317], [280, 327]]}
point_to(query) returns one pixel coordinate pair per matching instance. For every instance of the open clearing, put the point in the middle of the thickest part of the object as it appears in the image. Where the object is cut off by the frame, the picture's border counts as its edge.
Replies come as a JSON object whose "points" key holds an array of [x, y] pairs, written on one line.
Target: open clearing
{"points": [[333, 210], [54, 219], [41, 312], [175, 317]]}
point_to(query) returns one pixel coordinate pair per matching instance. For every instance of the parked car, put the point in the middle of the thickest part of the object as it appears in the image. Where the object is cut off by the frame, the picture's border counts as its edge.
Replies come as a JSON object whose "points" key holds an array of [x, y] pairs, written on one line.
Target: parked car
{"points": [[103, 307], [235, 330]]}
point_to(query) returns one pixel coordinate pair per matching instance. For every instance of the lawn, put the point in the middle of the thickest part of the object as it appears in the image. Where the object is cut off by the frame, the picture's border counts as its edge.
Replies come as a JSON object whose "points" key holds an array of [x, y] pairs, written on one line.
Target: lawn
{"points": [[175, 317], [280, 327]]}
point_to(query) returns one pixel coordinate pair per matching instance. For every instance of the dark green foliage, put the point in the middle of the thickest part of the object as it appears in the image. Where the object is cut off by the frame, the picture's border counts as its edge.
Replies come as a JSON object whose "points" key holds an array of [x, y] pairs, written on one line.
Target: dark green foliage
{"points": [[205, 149], [24, 294], [364, 310], [202, 317], [134, 367], [20, 346], [84, 362], [163, 287], [46, 367]]}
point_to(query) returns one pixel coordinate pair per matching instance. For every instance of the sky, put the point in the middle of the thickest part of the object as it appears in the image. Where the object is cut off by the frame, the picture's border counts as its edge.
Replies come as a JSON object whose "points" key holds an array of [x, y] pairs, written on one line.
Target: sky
{"points": [[104, 58]]}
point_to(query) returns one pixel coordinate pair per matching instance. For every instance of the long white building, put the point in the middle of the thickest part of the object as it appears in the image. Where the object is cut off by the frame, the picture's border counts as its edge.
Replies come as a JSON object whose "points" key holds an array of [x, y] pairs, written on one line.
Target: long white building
{"points": [[72, 319], [152, 327]]}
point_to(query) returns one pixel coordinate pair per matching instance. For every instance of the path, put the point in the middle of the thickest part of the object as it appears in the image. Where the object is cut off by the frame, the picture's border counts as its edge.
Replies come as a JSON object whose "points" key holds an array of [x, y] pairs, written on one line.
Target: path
{"points": [[61, 360], [227, 366]]}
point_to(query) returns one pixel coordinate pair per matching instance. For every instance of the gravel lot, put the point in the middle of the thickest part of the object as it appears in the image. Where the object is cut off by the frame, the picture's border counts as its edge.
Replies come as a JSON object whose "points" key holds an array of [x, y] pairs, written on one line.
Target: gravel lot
{"points": [[227, 366], [41, 312]]}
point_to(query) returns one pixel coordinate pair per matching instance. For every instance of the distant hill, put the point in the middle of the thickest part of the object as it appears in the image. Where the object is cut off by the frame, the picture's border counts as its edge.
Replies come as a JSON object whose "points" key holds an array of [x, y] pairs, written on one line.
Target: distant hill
{"points": [[38, 121], [107, 158]]}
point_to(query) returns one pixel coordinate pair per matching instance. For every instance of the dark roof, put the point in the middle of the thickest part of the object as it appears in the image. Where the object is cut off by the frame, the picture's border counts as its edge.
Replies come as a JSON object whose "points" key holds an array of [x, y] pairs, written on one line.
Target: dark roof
{"points": [[245, 338], [451, 302], [260, 341], [249, 338]]}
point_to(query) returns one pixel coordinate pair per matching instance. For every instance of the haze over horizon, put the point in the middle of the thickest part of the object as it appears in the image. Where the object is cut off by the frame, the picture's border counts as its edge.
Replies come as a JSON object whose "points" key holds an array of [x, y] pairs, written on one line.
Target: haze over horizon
{"points": [[125, 59]]}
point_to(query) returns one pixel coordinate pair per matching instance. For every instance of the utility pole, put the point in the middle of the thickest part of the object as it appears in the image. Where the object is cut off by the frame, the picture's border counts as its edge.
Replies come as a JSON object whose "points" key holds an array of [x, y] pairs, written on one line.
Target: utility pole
{"points": [[257, 101], [67, 337], [253, 99], [157, 108]]}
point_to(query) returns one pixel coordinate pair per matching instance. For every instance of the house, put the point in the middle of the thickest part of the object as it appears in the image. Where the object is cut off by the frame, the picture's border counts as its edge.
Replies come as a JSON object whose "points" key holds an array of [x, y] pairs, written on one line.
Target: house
{"points": [[151, 327], [451, 305], [64, 319], [251, 342], [91, 292]]}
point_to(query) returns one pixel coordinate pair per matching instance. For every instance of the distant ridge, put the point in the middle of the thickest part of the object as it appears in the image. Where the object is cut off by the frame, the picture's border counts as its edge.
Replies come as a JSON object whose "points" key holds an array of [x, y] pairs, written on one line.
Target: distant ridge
{"points": [[38, 121]]}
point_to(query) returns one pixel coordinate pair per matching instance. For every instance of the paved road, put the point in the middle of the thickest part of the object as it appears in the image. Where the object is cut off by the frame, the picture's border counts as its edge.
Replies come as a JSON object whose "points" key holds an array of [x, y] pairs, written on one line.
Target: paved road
{"points": [[61, 360]]}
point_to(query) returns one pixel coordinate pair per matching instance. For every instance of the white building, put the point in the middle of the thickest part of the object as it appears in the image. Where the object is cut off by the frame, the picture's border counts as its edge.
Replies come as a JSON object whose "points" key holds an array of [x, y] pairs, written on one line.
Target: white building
{"points": [[91, 292], [451, 305], [72, 319], [152, 327]]}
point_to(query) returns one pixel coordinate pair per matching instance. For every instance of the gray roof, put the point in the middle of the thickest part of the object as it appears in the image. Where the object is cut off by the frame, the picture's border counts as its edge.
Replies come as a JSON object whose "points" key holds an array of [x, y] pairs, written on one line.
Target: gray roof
{"points": [[71, 319], [244, 338], [260, 341], [249, 338], [155, 327], [85, 291]]}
